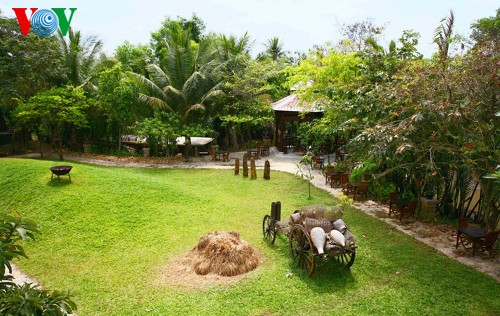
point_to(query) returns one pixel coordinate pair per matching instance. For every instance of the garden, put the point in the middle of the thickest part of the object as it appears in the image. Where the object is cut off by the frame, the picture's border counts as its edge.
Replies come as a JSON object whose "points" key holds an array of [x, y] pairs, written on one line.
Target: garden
{"points": [[422, 128], [108, 234]]}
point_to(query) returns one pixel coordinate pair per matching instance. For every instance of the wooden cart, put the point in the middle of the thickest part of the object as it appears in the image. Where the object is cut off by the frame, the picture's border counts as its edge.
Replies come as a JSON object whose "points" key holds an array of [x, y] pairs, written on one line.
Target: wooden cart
{"points": [[302, 248]]}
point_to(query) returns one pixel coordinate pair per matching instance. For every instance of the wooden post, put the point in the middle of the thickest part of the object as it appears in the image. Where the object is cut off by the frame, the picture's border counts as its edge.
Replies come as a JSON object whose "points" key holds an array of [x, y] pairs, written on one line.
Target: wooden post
{"points": [[245, 165], [236, 166], [267, 170], [253, 171]]}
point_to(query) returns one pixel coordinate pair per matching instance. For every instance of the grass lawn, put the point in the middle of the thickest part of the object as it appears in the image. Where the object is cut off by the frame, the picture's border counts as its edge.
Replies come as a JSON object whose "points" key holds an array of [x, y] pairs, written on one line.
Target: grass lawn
{"points": [[107, 234]]}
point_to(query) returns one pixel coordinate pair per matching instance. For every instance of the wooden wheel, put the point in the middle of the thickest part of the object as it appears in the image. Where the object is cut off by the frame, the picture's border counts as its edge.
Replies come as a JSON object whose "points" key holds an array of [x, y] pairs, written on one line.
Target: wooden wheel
{"points": [[301, 249], [268, 229], [347, 258]]}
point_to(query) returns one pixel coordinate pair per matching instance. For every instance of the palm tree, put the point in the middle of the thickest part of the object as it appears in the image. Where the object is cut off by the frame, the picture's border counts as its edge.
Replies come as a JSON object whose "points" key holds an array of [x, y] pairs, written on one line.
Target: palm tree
{"points": [[187, 78], [274, 49], [80, 56]]}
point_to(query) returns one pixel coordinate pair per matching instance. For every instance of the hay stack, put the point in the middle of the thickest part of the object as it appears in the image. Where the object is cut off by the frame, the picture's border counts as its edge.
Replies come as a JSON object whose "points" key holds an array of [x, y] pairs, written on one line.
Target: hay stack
{"points": [[223, 253]]}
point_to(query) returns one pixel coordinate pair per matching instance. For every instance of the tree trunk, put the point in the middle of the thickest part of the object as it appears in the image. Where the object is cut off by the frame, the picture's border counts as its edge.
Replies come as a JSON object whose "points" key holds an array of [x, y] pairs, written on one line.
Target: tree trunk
{"points": [[234, 138]]}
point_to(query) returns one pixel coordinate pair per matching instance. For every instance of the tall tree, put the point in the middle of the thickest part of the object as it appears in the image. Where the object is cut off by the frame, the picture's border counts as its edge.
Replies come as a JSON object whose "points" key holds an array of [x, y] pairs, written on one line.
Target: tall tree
{"points": [[28, 64], [357, 34], [274, 49], [186, 78], [80, 56]]}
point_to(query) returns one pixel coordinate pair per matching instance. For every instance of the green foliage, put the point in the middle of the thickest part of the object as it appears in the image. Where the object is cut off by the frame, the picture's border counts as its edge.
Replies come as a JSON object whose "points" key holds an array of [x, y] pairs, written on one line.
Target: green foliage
{"points": [[13, 230], [134, 57], [363, 172], [29, 300], [118, 98], [52, 113], [28, 64], [80, 55], [24, 299]]}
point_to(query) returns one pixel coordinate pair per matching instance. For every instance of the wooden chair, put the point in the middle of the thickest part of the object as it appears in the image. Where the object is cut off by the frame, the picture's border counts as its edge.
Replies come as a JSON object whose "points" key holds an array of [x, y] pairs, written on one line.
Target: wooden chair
{"points": [[488, 242], [211, 151], [408, 210], [225, 156], [344, 182], [362, 190], [393, 196], [461, 223]]}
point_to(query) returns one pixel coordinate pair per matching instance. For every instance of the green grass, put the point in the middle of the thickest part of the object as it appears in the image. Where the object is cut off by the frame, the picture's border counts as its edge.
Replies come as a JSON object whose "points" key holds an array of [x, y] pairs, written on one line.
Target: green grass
{"points": [[107, 233]]}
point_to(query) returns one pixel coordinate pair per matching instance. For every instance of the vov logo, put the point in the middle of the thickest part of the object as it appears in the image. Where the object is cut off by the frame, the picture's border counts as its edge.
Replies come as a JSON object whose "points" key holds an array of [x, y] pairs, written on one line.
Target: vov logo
{"points": [[44, 22]]}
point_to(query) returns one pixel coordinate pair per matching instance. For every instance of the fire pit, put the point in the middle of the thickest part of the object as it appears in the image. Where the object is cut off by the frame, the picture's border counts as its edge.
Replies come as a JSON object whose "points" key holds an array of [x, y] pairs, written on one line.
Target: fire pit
{"points": [[60, 171]]}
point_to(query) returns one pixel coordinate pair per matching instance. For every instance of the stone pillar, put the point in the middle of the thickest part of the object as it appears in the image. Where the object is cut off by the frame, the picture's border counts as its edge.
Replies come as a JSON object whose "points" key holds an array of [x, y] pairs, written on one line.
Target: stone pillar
{"points": [[253, 171], [236, 166], [267, 170], [245, 165]]}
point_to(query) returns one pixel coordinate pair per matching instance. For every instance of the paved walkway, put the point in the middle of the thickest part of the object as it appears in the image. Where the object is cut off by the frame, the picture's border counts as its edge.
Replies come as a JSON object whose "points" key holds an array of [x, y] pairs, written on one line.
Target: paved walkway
{"points": [[443, 242]]}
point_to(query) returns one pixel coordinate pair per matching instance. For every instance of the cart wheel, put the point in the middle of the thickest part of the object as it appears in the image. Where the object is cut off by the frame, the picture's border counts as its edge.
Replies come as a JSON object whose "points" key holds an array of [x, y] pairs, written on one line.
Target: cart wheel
{"points": [[347, 258], [268, 229], [301, 249]]}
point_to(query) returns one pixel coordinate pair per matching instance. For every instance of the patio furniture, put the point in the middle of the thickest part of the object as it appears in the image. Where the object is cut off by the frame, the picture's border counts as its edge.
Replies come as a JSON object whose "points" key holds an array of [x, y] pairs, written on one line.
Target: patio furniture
{"points": [[361, 190], [213, 154], [474, 234], [405, 207], [60, 171], [462, 223], [487, 243], [317, 162], [253, 153], [344, 182], [393, 196], [225, 156]]}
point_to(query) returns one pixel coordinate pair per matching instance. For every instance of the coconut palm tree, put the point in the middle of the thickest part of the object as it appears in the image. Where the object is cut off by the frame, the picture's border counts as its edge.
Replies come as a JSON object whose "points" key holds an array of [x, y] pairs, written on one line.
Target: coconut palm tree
{"points": [[80, 56], [274, 49], [186, 79]]}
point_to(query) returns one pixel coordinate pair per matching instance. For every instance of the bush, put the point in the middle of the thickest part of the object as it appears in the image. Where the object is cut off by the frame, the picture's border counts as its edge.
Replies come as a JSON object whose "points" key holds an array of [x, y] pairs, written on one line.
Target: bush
{"points": [[24, 299]]}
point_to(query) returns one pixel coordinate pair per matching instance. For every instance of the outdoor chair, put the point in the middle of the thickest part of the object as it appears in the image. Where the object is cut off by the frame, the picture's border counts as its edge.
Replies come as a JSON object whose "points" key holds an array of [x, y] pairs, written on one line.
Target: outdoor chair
{"points": [[408, 210], [488, 242], [344, 183], [462, 223], [211, 151], [335, 180], [362, 190], [317, 162], [393, 196], [225, 156]]}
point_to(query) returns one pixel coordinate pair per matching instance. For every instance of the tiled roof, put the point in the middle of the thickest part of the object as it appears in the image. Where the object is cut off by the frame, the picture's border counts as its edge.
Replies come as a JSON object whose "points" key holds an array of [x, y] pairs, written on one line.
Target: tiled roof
{"points": [[293, 103]]}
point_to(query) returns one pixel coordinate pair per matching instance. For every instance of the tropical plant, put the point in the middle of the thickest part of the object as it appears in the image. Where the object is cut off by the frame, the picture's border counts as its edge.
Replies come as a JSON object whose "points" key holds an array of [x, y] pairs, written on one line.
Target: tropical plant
{"points": [[25, 299], [274, 49], [187, 80], [80, 56], [51, 114]]}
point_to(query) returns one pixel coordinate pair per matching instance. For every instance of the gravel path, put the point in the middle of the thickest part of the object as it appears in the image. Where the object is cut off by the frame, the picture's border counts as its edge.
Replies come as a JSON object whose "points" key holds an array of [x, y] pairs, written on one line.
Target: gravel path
{"points": [[428, 234]]}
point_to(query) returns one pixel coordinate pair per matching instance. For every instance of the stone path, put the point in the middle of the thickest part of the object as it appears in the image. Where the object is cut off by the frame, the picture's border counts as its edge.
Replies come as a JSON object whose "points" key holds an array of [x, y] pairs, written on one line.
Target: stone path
{"points": [[443, 242]]}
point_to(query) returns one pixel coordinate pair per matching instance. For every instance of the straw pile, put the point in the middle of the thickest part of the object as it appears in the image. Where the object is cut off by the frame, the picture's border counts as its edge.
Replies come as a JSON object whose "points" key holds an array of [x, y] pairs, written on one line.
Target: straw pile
{"points": [[223, 253]]}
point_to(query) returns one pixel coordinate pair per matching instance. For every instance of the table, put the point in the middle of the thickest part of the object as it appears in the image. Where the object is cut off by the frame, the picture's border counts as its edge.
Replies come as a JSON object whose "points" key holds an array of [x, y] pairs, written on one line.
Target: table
{"points": [[253, 153], [474, 233]]}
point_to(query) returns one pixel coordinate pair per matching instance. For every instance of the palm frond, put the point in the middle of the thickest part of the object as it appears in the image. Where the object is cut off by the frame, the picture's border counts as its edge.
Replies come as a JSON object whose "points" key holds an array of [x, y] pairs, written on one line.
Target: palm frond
{"points": [[158, 75], [154, 102], [196, 107], [147, 84], [174, 94], [193, 83], [211, 94]]}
